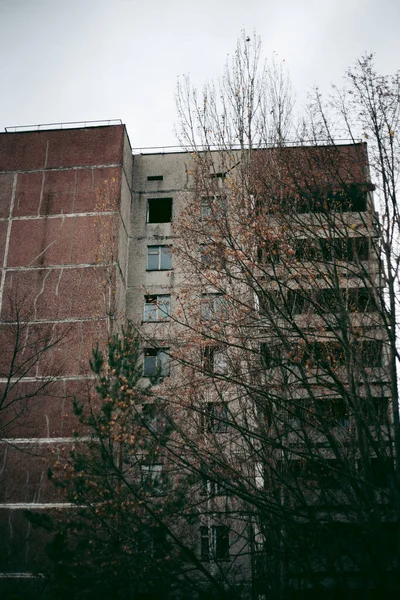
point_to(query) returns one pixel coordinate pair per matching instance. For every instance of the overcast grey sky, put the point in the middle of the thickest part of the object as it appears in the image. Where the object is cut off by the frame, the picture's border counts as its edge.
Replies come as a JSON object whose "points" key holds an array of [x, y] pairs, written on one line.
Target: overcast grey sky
{"points": [[97, 59]]}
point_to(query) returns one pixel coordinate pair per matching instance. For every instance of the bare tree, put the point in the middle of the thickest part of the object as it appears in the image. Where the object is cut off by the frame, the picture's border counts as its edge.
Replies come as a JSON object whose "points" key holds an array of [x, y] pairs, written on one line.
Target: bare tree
{"points": [[287, 326]]}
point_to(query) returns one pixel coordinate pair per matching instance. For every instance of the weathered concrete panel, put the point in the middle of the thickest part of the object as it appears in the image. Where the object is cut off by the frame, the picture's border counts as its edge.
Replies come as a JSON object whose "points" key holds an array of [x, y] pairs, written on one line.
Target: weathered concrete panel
{"points": [[28, 194], [6, 183]]}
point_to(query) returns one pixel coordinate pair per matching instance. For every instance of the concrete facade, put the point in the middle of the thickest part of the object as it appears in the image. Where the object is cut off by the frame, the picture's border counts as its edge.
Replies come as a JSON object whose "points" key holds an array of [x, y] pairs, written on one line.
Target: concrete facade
{"points": [[76, 238]]}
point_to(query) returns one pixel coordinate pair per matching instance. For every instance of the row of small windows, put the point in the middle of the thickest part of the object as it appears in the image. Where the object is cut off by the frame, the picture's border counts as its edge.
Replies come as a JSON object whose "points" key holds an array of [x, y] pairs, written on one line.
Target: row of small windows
{"points": [[319, 301], [159, 210], [314, 249], [368, 353], [159, 257]]}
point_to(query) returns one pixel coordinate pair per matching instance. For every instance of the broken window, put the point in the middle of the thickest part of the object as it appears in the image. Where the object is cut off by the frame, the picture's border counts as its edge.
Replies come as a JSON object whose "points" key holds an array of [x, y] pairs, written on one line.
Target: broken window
{"points": [[156, 362], [155, 177], [159, 210], [157, 308]]}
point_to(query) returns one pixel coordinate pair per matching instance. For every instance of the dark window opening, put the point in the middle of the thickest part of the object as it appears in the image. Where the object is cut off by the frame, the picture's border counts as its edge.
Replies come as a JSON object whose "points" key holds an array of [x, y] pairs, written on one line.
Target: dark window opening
{"points": [[221, 541], [219, 175], [371, 354], [159, 210], [328, 300], [204, 544], [346, 249], [335, 412], [155, 177], [156, 362], [215, 417], [298, 302], [270, 355], [375, 410], [349, 199], [360, 300]]}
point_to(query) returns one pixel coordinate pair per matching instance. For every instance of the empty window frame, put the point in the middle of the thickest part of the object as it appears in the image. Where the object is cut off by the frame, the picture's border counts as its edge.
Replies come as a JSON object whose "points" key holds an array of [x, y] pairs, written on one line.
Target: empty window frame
{"points": [[298, 301], [156, 362], [157, 308], [159, 258], [155, 177], [159, 210], [216, 545], [216, 417]]}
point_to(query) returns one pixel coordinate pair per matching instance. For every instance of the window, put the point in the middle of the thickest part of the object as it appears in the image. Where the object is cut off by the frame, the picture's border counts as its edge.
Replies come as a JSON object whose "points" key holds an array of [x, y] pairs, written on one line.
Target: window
{"points": [[269, 252], [375, 410], [159, 210], [152, 478], [349, 199], [159, 258], [335, 412], [323, 354], [152, 542], [213, 488], [219, 175], [215, 360], [271, 302], [348, 249], [371, 353], [213, 207], [204, 544], [155, 419], [298, 301], [213, 306], [156, 362], [215, 417], [329, 300], [157, 308], [270, 355], [155, 177], [304, 249], [216, 548], [360, 300]]}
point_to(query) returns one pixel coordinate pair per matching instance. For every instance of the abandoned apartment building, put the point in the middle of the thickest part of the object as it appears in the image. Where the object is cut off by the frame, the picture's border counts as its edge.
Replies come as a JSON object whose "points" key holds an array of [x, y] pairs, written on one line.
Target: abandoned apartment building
{"points": [[88, 238]]}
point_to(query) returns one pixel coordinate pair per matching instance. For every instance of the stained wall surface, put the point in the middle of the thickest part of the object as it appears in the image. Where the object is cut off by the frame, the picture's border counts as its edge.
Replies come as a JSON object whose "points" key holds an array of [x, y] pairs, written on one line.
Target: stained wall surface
{"points": [[64, 221]]}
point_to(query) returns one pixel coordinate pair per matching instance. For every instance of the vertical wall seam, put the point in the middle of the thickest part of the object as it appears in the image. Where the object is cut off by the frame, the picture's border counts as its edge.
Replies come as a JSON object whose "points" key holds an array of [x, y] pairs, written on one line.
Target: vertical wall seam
{"points": [[7, 244]]}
